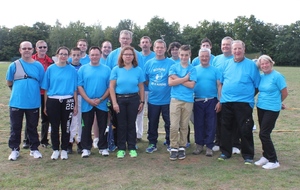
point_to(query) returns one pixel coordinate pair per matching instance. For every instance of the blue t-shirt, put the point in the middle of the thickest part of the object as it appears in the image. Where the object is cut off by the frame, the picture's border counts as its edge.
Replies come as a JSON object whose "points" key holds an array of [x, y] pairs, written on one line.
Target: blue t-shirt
{"points": [[60, 81], [196, 60], [157, 73], [83, 60], [145, 59], [239, 81], [25, 93], [220, 60], [103, 61], [95, 81], [180, 91], [206, 86], [112, 58], [127, 81], [270, 86], [175, 60]]}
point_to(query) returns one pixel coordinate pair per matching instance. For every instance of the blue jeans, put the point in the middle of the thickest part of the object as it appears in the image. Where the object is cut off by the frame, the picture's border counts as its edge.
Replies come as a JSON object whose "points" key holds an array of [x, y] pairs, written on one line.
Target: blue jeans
{"points": [[154, 112]]}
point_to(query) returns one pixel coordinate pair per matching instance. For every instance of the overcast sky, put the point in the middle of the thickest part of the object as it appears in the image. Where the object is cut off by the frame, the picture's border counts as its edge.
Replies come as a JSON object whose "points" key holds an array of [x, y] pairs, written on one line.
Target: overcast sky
{"points": [[110, 12]]}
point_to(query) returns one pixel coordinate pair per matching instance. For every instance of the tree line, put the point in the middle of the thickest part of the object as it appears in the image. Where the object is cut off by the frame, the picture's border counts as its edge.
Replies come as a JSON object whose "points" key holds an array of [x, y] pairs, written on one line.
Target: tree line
{"points": [[281, 42]]}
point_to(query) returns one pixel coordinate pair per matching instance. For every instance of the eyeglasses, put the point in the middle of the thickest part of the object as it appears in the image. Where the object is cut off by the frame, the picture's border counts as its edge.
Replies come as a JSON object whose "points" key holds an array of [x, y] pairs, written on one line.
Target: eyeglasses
{"points": [[28, 48], [42, 47], [128, 54], [63, 54], [125, 38]]}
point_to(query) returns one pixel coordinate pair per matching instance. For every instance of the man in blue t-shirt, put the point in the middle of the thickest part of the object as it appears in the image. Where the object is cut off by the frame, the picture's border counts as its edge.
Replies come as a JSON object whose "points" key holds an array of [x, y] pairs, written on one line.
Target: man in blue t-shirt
{"points": [[25, 99], [240, 80], [156, 75]]}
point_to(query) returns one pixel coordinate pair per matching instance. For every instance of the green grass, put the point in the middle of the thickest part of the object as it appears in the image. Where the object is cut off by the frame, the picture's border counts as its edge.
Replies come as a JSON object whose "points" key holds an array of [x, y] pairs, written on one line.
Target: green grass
{"points": [[156, 171]]}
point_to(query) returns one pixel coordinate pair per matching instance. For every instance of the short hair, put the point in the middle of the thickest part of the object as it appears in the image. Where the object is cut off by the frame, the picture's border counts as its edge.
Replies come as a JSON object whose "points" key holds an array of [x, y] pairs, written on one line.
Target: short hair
{"points": [[121, 61], [239, 42], [264, 57], [172, 46], [82, 40], [62, 47], [160, 41], [126, 32], [227, 38], [75, 49], [146, 37], [95, 47], [206, 40], [185, 48], [204, 50], [105, 42], [39, 41]]}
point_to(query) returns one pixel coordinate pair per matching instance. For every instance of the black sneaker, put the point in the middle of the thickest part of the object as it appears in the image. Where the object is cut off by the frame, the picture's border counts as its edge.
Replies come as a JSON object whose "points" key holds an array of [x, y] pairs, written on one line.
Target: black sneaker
{"points": [[173, 154], [46, 145], [70, 148], [25, 145], [181, 153], [79, 148]]}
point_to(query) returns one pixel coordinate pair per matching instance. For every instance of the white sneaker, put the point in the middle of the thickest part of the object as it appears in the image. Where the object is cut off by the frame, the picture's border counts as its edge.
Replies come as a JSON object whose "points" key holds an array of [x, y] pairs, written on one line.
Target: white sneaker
{"points": [[14, 155], [95, 142], [55, 155], [262, 161], [64, 155], [85, 153], [271, 165], [35, 154], [216, 148], [235, 150], [104, 152]]}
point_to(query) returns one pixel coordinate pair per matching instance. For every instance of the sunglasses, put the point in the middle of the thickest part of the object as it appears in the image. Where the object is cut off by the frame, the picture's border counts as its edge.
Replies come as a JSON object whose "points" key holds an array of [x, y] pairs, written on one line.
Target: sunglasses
{"points": [[26, 48], [42, 47]]}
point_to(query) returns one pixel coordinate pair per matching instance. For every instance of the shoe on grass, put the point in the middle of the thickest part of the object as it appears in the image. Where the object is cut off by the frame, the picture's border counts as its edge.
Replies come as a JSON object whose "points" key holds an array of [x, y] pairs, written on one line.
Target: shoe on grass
{"points": [[235, 150], [209, 152], [64, 155], [216, 148], [121, 154], [222, 157], [55, 155], [133, 153], [198, 149], [151, 148], [25, 145], [35, 154], [85, 153], [248, 161], [14, 155], [262, 161], [173, 154], [104, 152], [181, 153], [271, 165]]}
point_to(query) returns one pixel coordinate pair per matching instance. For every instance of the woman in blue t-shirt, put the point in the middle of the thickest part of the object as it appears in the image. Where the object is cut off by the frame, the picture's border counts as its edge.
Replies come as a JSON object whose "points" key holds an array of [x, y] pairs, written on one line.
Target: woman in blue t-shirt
{"points": [[272, 91], [127, 96]]}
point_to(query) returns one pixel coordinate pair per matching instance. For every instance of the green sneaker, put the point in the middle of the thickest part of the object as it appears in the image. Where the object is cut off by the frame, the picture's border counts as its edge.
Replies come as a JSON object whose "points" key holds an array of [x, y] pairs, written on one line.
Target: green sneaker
{"points": [[133, 153], [120, 154]]}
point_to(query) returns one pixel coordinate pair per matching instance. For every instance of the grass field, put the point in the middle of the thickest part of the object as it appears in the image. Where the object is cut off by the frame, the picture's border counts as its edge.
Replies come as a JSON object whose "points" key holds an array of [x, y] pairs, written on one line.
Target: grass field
{"points": [[156, 171]]}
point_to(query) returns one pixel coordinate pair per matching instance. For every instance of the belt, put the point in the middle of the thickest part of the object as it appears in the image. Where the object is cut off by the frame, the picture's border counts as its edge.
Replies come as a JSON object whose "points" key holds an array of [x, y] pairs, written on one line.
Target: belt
{"points": [[126, 95], [203, 99]]}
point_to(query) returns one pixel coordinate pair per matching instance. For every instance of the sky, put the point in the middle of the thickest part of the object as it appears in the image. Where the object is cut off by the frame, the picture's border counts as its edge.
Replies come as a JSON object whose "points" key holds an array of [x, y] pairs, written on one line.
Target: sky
{"points": [[111, 12]]}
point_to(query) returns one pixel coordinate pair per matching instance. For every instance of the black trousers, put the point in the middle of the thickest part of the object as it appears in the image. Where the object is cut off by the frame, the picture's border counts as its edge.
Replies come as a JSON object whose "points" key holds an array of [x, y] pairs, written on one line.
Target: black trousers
{"points": [[86, 135], [60, 116], [126, 130], [241, 113], [267, 120]]}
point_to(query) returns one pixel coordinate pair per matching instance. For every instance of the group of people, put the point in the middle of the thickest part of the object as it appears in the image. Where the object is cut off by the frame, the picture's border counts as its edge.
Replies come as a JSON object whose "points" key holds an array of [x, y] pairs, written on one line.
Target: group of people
{"points": [[217, 93]]}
